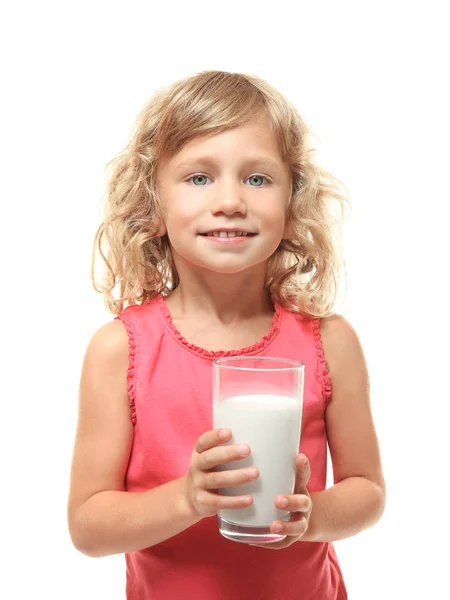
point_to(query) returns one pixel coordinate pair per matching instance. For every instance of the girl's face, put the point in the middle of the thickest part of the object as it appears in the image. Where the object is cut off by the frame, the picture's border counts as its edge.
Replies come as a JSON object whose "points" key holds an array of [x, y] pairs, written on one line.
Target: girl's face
{"points": [[232, 182]]}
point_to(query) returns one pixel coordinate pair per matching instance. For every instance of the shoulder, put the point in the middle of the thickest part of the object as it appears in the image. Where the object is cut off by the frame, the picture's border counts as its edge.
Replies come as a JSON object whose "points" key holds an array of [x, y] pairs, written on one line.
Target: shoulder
{"points": [[109, 344], [337, 332], [343, 351], [341, 345], [141, 316], [112, 335]]}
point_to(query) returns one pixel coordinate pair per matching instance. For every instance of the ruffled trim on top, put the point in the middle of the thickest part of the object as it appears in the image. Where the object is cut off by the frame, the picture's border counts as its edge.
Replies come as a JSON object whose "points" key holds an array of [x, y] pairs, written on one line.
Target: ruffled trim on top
{"points": [[131, 372], [323, 373], [214, 354]]}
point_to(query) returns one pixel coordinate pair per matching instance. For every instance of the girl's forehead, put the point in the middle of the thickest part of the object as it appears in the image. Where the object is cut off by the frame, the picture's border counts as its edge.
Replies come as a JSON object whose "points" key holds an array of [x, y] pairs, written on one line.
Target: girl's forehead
{"points": [[254, 140]]}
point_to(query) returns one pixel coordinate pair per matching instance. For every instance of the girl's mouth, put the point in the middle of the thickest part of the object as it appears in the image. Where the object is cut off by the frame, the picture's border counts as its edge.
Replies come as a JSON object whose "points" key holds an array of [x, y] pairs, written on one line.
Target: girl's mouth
{"points": [[227, 234]]}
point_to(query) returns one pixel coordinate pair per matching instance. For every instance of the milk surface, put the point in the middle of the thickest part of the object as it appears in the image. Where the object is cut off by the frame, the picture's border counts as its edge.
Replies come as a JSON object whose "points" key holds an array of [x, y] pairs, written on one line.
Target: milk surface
{"points": [[271, 426]]}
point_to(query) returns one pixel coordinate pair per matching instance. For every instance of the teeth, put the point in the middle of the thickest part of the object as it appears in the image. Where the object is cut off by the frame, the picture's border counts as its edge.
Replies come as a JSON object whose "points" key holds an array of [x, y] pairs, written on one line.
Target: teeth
{"points": [[224, 234]]}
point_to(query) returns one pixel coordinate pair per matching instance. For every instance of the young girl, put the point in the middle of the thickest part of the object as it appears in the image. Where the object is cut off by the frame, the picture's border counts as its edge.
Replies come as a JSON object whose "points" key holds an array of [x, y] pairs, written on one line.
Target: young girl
{"points": [[219, 236]]}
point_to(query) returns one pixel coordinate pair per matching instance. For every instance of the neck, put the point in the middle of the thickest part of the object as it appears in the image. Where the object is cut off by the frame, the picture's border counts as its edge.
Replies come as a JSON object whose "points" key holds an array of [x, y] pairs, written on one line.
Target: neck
{"points": [[223, 298]]}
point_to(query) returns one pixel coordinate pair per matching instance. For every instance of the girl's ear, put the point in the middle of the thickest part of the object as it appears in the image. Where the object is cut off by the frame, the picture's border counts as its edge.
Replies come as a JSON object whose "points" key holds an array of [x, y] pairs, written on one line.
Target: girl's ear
{"points": [[287, 233], [162, 230]]}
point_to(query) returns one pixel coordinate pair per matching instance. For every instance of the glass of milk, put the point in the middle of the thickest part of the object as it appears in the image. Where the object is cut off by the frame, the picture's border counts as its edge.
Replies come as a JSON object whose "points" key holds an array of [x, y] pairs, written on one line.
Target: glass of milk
{"points": [[261, 400]]}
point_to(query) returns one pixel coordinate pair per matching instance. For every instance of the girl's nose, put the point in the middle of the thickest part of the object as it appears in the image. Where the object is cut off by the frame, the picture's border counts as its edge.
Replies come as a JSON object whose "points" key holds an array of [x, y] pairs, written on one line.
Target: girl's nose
{"points": [[228, 199]]}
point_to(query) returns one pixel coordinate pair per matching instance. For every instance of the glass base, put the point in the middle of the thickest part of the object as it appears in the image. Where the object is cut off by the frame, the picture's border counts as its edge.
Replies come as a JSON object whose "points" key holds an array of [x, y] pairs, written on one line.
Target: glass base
{"points": [[248, 534]]}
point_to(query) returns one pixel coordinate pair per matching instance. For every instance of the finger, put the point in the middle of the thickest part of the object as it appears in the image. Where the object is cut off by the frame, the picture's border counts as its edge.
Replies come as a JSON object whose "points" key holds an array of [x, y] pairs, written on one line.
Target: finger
{"points": [[291, 528], [294, 503], [222, 455], [283, 543], [303, 472], [219, 502], [224, 479], [213, 438]]}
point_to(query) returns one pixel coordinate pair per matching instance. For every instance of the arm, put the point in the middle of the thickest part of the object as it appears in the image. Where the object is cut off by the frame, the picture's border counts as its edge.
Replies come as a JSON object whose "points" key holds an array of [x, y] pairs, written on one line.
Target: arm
{"points": [[357, 500], [104, 519]]}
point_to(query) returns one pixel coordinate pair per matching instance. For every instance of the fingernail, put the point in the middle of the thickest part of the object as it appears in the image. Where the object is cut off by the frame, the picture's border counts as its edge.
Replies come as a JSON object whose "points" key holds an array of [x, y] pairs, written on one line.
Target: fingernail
{"points": [[243, 449], [283, 502], [224, 433], [277, 528]]}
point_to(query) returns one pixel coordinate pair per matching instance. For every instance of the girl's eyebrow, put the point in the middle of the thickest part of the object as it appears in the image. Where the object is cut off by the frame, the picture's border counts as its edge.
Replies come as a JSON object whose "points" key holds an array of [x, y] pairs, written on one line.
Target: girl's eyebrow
{"points": [[209, 160]]}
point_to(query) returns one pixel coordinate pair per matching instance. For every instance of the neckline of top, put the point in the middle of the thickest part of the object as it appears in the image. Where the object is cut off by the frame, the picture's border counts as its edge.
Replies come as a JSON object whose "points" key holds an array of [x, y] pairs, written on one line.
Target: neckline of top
{"points": [[214, 354]]}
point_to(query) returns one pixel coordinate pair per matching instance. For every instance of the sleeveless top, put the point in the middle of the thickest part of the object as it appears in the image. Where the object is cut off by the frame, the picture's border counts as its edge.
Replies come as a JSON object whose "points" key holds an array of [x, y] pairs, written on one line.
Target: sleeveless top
{"points": [[170, 392]]}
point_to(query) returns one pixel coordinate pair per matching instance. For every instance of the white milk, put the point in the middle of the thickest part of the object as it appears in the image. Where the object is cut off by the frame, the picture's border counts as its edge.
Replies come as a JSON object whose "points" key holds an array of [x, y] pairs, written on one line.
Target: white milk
{"points": [[271, 426]]}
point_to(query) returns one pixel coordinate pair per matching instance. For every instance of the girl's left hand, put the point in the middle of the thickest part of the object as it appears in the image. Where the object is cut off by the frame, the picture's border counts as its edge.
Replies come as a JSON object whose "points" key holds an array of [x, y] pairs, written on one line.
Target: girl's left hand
{"points": [[299, 504]]}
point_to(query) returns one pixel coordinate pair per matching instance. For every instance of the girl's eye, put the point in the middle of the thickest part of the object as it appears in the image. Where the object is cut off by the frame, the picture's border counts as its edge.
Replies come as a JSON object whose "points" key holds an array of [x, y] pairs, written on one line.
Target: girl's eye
{"points": [[256, 177], [193, 176], [251, 177]]}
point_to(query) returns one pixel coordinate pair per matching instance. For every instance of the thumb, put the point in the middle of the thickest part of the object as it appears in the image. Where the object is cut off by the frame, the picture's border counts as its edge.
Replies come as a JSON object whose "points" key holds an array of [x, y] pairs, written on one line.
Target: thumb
{"points": [[303, 472]]}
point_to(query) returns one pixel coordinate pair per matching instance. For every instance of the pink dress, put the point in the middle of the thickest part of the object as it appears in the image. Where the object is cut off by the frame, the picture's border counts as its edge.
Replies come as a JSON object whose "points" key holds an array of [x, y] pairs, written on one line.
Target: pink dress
{"points": [[170, 390]]}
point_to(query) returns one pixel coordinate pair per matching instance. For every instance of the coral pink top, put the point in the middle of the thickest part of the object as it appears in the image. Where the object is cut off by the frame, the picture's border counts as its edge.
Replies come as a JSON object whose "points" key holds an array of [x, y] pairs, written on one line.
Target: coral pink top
{"points": [[170, 389]]}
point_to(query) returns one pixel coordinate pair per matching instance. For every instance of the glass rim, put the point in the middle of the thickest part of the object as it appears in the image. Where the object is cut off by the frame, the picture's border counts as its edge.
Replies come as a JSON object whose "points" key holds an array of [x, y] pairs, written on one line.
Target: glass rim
{"points": [[295, 364]]}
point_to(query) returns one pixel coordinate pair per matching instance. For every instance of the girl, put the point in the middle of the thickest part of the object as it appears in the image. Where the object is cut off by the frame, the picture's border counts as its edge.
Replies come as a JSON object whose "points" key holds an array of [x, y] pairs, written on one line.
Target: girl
{"points": [[219, 234]]}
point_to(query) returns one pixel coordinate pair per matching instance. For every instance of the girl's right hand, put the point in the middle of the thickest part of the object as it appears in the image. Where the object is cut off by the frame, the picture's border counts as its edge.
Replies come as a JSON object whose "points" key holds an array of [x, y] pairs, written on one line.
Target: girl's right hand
{"points": [[203, 481]]}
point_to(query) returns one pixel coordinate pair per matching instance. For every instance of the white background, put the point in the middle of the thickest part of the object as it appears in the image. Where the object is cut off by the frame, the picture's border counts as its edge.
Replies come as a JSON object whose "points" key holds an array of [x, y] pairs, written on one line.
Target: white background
{"points": [[370, 80]]}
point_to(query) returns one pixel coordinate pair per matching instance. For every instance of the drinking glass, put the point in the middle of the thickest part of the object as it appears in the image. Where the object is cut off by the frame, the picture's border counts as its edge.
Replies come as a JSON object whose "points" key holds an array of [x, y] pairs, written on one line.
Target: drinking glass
{"points": [[260, 399]]}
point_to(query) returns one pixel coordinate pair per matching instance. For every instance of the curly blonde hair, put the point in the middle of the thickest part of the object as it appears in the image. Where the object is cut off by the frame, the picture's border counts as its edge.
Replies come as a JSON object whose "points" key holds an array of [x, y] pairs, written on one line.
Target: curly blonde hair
{"points": [[303, 274]]}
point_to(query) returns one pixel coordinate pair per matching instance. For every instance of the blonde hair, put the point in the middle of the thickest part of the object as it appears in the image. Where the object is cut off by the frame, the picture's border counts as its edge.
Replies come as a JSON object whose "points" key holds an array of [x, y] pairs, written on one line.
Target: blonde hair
{"points": [[303, 274]]}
